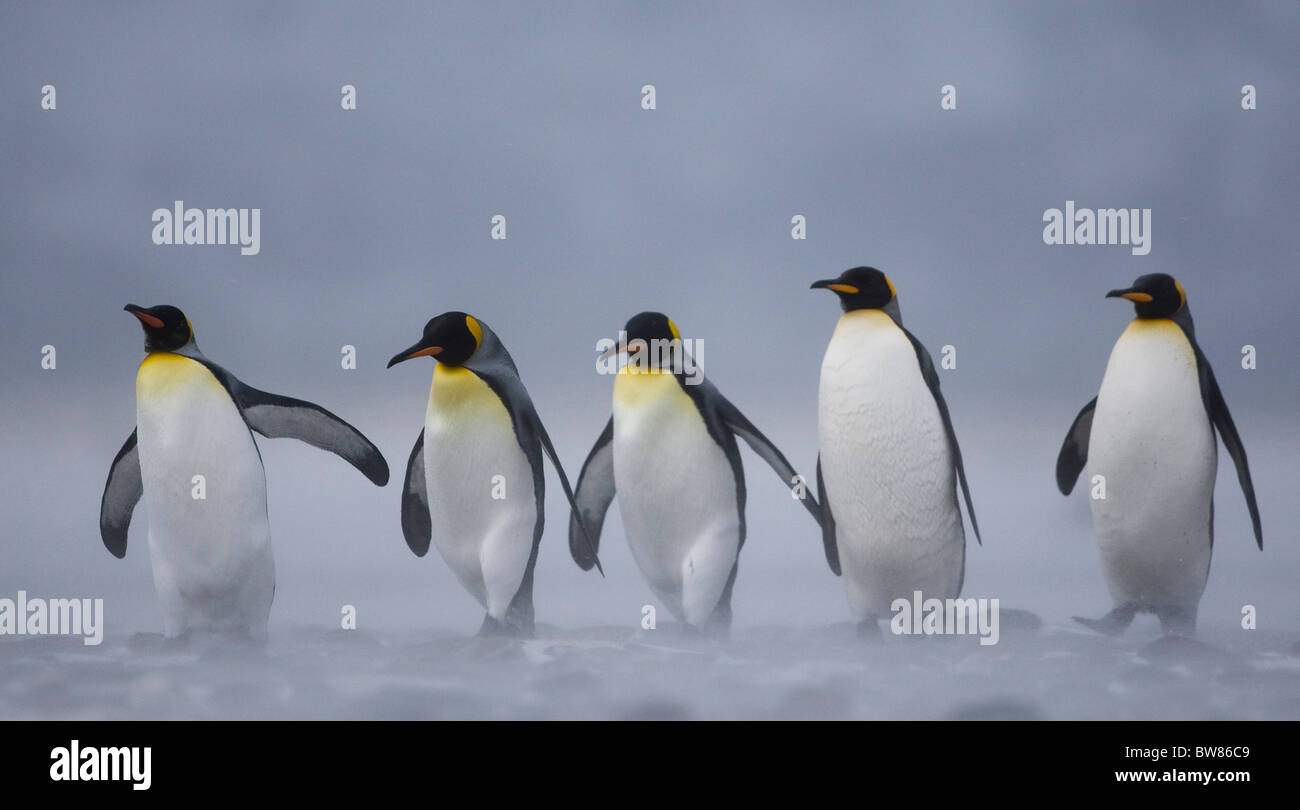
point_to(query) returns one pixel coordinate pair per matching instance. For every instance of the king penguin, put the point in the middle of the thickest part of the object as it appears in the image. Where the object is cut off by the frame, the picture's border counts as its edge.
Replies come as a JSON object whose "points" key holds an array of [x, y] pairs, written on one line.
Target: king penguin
{"points": [[669, 449], [1150, 433], [889, 463], [474, 480], [209, 539]]}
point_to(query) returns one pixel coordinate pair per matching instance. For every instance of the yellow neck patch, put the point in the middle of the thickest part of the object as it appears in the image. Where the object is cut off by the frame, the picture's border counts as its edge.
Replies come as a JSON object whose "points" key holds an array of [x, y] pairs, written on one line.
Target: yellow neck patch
{"points": [[631, 371], [457, 387], [1161, 329], [163, 372], [637, 387], [877, 317]]}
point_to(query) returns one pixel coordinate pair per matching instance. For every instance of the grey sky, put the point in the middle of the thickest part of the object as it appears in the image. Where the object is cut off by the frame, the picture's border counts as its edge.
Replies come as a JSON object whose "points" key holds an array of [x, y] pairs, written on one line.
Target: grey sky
{"points": [[377, 219]]}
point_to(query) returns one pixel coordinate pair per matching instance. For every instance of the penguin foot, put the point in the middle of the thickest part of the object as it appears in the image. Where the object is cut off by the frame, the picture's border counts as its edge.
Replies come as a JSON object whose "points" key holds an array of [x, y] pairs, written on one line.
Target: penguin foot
{"points": [[1173, 650], [718, 625], [696, 635], [146, 642], [494, 628], [1113, 623], [716, 631], [1177, 621], [1014, 621], [176, 643]]}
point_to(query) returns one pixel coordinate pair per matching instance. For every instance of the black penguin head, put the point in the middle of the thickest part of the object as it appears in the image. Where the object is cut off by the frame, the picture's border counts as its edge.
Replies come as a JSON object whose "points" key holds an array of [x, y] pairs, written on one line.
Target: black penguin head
{"points": [[650, 340], [166, 328], [860, 288], [451, 338], [650, 326], [1156, 295]]}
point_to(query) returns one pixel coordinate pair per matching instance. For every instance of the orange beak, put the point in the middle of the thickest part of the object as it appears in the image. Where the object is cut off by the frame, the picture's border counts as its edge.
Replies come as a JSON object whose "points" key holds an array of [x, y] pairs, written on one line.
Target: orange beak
{"points": [[149, 320]]}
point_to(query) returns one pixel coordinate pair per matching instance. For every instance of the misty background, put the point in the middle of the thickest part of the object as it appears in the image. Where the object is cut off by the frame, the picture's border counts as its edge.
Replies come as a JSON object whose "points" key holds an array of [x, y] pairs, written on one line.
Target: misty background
{"points": [[376, 219]]}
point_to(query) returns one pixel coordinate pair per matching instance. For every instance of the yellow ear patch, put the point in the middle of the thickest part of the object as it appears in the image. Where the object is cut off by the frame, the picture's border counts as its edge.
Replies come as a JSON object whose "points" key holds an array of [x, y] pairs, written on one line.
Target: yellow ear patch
{"points": [[1181, 294], [1139, 297], [190, 325], [672, 327], [892, 292], [843, 288], [474, 329]]}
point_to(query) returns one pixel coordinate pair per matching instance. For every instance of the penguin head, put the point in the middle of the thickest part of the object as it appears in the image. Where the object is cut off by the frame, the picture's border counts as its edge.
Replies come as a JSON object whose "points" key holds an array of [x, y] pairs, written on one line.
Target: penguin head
{"points": [[1156, 295], [166, 328], [451, 338], [860, 288], [646, 330], [650, 326]]}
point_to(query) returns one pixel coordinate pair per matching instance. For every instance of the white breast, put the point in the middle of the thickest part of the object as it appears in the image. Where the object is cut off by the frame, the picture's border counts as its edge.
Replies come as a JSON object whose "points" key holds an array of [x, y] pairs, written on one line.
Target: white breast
{"points": [[887, 467], [211, 556], [481, 499], [1151, 439], [676, 494]]}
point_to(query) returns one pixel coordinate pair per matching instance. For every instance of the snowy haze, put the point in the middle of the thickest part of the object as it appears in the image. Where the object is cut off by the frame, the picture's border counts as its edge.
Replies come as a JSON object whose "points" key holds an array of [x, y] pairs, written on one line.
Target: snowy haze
{"points": [[377, 219]]}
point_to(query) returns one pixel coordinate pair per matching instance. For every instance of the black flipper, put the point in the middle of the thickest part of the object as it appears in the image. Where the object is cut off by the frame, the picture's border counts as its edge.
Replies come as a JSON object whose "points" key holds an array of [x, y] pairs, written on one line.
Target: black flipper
{"points": [[121, 493], [1217, 409], [705, 395], [718, 625], [724, 422], [1113, 623], [594, 494], [1074, 450], [493, 364], [932, 380], [742, 427], [275, 417], [417, 527], [828, 523], [575, 515]]}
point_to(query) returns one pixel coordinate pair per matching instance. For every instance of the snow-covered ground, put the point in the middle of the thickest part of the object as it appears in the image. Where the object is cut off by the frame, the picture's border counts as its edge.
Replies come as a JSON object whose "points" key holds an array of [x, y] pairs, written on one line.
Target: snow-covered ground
{"points": [[827, 672]]}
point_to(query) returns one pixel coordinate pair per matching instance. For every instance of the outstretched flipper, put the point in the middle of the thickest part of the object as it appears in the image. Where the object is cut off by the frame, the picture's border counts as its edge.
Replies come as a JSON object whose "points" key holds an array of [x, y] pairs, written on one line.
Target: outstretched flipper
{"points": [[742, 427], [1074, 450], [279, 417], [594, 494], [828, 522], [1113, 623], [1217, 409], [932, 380], [417, 527], [121, 493]]}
